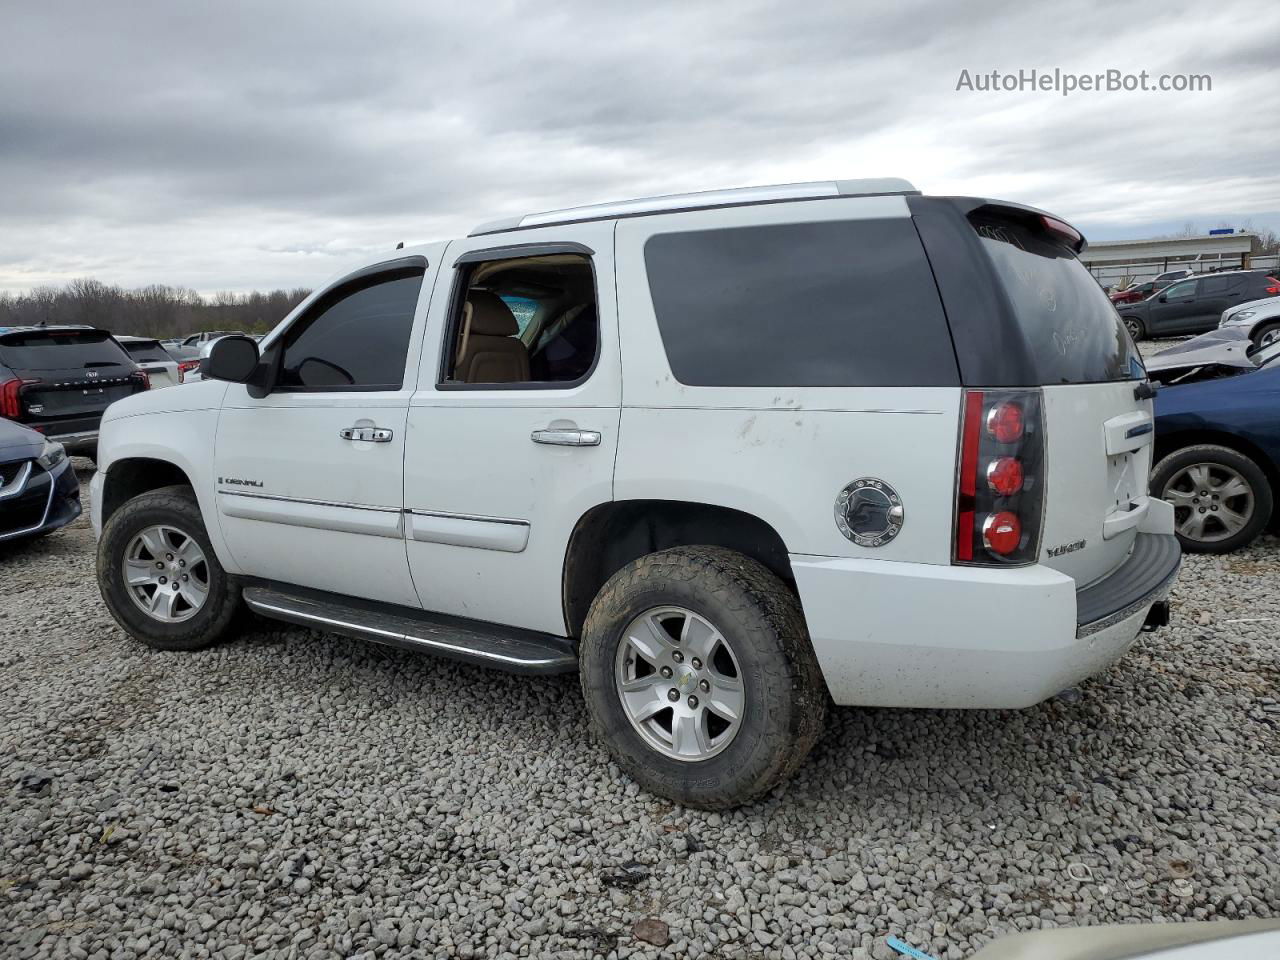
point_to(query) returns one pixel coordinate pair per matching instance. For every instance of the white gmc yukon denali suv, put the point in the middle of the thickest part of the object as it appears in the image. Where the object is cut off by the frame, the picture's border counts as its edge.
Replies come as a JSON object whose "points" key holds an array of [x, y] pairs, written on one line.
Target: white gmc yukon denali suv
{"points": [[731, 456]]}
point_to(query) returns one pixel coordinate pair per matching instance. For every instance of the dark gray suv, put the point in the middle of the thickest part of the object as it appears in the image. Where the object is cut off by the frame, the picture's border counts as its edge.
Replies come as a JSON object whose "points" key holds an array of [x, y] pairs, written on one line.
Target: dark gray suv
{"points": [[1195, 304]]}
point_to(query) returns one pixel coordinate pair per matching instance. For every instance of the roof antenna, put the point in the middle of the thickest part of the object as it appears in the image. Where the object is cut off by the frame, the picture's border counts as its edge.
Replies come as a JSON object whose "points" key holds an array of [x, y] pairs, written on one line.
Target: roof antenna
{"points": [[400, 245]]}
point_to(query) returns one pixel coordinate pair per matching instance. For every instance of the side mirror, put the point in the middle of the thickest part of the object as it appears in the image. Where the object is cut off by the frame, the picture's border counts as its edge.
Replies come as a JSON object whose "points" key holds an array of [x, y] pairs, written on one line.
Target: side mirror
{"points": [[233, 359], [1163, 298]]}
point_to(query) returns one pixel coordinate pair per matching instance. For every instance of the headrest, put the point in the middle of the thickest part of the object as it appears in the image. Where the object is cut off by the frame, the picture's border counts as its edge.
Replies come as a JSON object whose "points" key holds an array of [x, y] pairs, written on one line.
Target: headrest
{"points": [[490, 317]]}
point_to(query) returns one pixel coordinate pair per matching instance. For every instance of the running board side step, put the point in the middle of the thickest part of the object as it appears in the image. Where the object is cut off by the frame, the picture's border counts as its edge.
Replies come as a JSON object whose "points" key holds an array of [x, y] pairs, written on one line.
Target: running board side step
{"points": [[472, 641]]}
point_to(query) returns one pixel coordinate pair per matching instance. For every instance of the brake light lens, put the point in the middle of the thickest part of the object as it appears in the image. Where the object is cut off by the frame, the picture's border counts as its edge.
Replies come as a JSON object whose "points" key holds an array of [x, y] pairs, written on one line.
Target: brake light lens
{"points": [[1000, 483], [141, 377], [1002, 532], [1064, 230], [1274, 289], [1004, 421], [11, 397], [185, 367], [1004, 476]]}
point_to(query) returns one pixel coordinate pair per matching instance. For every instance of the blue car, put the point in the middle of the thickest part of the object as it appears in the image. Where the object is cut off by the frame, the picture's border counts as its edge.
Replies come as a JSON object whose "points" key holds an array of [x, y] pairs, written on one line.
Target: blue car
{"points": [[39, 491], [1217, 439]]}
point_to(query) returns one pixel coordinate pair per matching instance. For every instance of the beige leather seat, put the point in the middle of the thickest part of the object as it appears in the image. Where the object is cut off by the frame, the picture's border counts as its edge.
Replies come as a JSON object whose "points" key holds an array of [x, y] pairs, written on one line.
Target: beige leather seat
{"points": [[489, 351]]}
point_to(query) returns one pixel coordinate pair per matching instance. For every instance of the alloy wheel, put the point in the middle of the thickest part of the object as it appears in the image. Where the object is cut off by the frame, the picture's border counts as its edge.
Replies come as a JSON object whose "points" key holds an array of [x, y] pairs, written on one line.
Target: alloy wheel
{"points": [[679, 684], [1211, 501], [166, 573]]}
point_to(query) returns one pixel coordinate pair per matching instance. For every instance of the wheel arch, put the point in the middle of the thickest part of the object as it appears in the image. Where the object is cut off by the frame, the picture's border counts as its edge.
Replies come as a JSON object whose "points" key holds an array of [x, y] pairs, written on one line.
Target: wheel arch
{"points": [[132, 476], [610, 535]]}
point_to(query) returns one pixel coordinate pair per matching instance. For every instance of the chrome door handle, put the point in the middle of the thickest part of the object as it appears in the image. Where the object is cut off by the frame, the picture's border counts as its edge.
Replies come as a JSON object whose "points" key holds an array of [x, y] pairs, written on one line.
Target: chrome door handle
{"points": [[567, 438], [371, 434]]}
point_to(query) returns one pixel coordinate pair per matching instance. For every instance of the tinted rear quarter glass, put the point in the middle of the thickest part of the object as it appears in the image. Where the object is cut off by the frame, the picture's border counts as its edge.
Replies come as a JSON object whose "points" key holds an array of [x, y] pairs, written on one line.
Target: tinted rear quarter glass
{"points": [[826, 304], [60, 350], [1071, 329]]}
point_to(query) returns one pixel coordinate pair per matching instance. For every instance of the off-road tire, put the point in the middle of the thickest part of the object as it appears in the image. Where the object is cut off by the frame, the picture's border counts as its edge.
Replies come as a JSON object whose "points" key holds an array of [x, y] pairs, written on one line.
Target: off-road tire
{"points": [[1174, 463], [786, 698], [176, 506]]}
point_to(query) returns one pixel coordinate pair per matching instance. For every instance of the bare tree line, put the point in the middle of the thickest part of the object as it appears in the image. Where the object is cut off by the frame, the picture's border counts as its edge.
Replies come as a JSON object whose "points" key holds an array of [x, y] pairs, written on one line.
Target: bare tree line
{"points": [[154, 311]]}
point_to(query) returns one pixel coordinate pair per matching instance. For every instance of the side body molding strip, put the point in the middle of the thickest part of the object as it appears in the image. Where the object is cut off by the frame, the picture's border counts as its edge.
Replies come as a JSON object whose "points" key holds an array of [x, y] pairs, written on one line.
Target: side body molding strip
{"points": [[373, 521], [459, 530]]}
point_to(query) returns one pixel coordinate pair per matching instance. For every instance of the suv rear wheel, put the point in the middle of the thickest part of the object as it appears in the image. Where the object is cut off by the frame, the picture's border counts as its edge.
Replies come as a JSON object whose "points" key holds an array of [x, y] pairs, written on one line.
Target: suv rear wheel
{"points": [[1136, 330], [159, 575], [698, 675], [1221, 499]]}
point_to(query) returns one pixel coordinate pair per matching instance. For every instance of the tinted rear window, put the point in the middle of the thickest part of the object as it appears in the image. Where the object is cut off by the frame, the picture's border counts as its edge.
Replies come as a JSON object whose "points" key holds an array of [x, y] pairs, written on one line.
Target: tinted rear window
{"points": [[832, 304], [1072, 331], [60, 350], [149, 351]]}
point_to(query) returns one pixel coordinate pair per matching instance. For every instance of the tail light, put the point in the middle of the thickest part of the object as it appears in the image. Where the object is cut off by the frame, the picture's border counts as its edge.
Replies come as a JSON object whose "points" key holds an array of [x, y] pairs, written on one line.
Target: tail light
{"points": [[1000, 485], [185, 367], [140, 376], [11, 397], [1274, 289]]}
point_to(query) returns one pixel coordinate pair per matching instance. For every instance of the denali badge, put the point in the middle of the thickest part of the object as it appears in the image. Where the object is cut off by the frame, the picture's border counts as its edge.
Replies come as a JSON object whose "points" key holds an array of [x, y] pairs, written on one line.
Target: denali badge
{"points": [[1065, 548], [869, 512], [240, 483]]}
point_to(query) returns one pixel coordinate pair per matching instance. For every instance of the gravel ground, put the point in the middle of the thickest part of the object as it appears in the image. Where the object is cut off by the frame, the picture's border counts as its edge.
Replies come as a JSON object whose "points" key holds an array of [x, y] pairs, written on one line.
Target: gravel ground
{"points": [[300, 794]]}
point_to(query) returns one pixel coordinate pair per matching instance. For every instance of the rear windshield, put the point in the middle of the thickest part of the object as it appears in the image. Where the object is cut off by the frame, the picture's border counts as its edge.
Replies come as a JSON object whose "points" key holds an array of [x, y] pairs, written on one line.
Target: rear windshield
{"points": [[148, 350], [60, 350], [1073, 332]]}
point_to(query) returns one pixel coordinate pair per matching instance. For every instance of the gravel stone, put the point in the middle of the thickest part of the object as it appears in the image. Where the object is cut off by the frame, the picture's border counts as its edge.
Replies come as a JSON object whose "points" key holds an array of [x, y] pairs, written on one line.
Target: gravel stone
{"points": [[292, 793]]}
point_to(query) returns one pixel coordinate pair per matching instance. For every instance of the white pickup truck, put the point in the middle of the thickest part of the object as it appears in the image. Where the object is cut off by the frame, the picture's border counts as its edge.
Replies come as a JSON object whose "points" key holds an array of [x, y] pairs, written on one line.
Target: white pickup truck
{"points": [[731, 456]]}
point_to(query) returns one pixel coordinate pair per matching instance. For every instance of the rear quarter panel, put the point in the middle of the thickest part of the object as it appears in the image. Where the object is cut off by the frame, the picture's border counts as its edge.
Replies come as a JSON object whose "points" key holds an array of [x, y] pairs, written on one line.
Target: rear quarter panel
{"points": [[782, 454]]}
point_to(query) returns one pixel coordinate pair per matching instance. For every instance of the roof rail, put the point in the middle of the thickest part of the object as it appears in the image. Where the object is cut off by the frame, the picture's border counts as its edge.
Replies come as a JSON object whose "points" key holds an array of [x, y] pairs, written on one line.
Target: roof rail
{"points": [[741, 196]]}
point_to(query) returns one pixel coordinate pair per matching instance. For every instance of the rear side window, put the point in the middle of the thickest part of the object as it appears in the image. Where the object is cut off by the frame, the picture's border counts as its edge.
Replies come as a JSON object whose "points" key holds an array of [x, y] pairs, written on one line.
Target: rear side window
{"points": [[148, 351], [1073, 333], [1216, 285], [829, 304], [355, 337], [60, 350]]}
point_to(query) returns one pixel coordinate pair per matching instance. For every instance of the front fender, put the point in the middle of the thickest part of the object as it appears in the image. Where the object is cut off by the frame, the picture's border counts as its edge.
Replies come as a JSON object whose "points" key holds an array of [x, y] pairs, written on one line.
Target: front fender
{"points": [[184, 439]]}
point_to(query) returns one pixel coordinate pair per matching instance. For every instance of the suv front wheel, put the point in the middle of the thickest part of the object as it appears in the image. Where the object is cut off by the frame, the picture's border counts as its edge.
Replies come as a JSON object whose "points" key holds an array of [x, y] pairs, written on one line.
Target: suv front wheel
{"points": [[699, 677], [159, 575]]}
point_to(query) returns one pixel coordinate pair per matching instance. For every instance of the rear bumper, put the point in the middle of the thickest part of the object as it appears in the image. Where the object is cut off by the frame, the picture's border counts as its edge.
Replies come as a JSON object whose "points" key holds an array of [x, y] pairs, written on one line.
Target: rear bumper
{"points": [[78, 441], [925, 635]]}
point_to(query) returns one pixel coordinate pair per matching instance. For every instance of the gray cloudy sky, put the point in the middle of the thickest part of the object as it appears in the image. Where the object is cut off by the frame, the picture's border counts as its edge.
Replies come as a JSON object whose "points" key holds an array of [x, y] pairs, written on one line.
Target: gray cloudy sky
{"points": [[232, 146]]}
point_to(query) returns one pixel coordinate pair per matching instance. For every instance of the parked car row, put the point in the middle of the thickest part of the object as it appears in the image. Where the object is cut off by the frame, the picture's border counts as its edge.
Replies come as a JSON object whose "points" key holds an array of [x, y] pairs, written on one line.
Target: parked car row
{"points": [[1142, 290], [1196, 304], [56, 381]]}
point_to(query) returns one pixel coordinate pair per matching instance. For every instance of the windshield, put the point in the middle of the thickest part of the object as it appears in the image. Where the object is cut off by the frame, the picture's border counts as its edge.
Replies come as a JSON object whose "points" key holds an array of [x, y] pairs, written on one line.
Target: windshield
{"points": [[1072, 330]]}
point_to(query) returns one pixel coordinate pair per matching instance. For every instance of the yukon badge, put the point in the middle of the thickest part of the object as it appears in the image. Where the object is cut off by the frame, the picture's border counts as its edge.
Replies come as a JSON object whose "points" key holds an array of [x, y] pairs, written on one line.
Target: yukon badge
{"points": [[869, 512]]}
